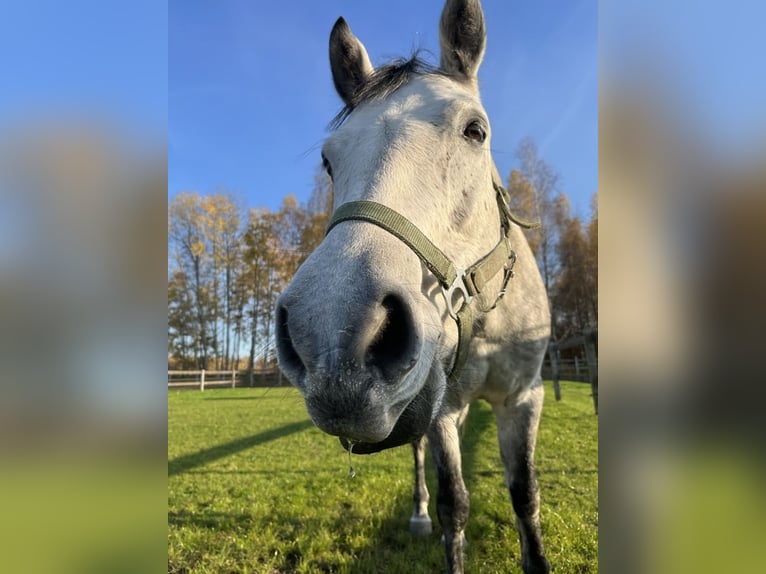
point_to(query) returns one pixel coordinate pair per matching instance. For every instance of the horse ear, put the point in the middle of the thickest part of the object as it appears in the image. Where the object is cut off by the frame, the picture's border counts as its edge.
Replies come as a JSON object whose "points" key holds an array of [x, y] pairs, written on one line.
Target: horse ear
{"points": [[349, 61], [462, 38]]}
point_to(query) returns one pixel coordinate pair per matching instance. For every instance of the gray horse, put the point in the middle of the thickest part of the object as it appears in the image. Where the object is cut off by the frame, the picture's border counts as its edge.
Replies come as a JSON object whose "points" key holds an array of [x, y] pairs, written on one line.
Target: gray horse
{"points": [[424, 295]]}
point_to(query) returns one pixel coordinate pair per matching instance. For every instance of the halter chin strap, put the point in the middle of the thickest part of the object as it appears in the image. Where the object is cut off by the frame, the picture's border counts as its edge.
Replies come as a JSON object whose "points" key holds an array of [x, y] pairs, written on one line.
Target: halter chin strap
{"points": [[461, 286]]}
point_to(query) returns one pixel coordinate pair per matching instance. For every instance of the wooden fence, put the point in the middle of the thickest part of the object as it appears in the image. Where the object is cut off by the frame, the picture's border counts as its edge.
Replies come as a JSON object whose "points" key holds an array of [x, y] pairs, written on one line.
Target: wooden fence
{"points": [[203, 379], [583, 369]]}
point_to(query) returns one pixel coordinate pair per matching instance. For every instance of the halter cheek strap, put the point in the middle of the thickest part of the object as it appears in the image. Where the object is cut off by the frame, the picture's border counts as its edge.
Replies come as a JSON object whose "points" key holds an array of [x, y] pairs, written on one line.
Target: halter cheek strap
{"points": [[461, 287]]}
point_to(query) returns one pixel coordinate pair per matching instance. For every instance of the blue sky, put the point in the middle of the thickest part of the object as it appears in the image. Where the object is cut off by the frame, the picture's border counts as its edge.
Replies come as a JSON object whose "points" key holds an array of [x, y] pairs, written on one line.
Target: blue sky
{"points": [[703, 59], [87, 59], [244, 87], [250, 93]]}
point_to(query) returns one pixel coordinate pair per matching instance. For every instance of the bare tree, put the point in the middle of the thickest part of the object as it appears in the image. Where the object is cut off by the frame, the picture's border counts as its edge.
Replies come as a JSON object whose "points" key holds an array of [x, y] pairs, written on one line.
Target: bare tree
{"points": [[523, 202], [221, 224], [181, 323], [187, 237], [544, 184]]}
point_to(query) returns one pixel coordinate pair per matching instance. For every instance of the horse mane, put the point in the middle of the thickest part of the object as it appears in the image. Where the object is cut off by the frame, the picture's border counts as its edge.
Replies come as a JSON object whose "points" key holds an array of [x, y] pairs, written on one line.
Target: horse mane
{"points": [[383, 82]]}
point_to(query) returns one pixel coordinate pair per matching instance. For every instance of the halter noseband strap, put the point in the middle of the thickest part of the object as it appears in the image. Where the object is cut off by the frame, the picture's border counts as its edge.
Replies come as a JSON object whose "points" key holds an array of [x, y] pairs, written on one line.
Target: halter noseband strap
{"points": [[467, 283]]}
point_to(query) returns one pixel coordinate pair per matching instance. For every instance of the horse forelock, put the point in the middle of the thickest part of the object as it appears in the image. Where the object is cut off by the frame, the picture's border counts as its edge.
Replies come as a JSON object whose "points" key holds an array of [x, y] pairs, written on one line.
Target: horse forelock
{"points": [[384, 81]]}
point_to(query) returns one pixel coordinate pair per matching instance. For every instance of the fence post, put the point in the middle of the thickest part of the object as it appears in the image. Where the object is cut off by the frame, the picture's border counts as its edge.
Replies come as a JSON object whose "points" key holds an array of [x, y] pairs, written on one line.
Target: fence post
{"points": [[202, 381], [553, 354], [577, 368], [233, 378], [590, 355]]}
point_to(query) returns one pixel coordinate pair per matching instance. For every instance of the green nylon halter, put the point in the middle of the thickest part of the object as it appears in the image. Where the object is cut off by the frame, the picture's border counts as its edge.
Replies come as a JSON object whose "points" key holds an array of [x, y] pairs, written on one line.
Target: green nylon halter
{"points": [[467, 283]]}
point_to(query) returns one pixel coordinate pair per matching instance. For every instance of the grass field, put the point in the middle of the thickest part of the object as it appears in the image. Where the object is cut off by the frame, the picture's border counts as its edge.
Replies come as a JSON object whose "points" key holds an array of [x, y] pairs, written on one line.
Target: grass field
{"points": [[253, 486]]}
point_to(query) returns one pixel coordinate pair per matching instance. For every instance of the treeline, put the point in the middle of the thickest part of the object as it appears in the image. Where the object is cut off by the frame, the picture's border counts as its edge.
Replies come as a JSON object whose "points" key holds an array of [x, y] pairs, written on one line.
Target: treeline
{"points": [[565, 246], [227, 264]]}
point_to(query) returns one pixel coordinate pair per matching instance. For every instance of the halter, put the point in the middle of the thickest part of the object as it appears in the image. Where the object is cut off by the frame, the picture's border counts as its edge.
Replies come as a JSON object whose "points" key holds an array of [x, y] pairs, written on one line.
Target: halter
{"points": [[457, 284]]}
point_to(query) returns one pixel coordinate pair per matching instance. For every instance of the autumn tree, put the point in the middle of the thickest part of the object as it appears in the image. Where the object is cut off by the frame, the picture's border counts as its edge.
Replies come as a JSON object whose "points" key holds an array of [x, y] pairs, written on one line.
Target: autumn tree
{"points": [[542, 182], [592, 257], [187, 237], [258, 254], [221, 225], [575, 291], [181, 323], [533, 191], [523, 203], [226, 276], [318, 211], [565, 249], [204, 235], [240, 300]]}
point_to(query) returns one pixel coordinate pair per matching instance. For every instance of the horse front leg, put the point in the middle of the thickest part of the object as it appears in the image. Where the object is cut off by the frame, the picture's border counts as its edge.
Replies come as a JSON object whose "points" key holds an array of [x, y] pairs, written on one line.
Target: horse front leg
{"points": [[452, 500], [517, 422], [420, 522]]}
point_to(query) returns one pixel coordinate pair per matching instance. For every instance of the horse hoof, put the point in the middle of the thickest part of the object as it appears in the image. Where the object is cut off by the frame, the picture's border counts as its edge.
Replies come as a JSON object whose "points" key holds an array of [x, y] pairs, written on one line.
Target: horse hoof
{"points": [[420, 525]]}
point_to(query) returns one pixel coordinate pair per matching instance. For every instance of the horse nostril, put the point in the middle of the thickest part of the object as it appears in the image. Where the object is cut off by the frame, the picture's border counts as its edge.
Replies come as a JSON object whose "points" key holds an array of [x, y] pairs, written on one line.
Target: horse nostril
{"points": [[394, 347], [289, 360]]}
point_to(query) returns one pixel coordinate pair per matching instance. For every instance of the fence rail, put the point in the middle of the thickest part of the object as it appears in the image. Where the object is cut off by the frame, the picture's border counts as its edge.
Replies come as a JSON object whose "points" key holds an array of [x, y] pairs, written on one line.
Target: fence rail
{"points": [[202, 378], [575, 369]]}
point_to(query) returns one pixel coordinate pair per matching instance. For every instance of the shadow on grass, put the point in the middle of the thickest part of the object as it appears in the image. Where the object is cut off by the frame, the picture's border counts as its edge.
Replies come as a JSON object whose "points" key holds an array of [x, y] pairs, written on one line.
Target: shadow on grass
{"points": [[393, 539], [275, 473], [394, 545], [189, 461], [479, 422]]}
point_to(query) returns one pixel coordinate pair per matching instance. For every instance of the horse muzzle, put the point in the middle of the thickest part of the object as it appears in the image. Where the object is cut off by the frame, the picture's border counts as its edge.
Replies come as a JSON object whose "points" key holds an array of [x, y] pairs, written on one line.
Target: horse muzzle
{"points": [[372, 426], [359, 417], [355, 358]]}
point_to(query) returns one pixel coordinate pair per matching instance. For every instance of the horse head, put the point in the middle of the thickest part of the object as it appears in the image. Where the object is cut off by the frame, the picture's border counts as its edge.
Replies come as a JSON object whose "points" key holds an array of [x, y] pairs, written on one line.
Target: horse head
{"points": [[366, 329]]}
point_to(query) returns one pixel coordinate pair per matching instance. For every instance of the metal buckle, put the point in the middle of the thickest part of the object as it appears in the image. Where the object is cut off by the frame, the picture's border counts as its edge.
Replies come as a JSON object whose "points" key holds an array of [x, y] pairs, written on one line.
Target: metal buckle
{"points": [[458, 287], [508, 273]]}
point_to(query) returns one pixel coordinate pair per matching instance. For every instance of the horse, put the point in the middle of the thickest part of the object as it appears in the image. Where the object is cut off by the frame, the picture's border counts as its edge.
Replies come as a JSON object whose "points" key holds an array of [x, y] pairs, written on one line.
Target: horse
{"points": [[424, 294]]}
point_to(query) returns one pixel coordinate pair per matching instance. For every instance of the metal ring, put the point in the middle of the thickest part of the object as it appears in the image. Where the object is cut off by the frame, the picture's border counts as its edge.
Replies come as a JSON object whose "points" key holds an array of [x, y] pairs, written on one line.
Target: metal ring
{"points": [[458, 285]]}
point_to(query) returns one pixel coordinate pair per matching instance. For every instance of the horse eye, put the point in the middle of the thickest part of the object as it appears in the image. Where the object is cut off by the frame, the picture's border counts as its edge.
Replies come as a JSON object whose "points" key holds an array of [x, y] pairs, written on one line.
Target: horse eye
{"points": [[327, 166], [475, 132]]}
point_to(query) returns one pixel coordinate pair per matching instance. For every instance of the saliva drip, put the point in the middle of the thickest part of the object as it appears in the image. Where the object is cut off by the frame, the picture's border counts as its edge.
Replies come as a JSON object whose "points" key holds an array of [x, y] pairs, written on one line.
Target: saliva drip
{"points": [[351, 472]]}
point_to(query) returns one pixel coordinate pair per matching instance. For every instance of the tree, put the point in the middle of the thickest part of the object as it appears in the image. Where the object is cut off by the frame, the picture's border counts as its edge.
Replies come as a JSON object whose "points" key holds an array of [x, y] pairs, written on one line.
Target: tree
{"points": [[543, 180], [532, 189], [181, 323], [592, 258], [227, 276], [187, 236], [575, 289], [318, 211], [258, 258], [566, 251], [221, 226], [523, 203], [204, 234]]}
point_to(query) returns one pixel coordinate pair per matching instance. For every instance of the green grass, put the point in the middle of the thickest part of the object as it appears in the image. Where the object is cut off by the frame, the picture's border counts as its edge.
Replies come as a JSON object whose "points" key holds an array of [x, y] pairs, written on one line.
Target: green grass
{"points": [[253, 486]]}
